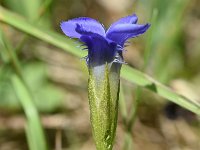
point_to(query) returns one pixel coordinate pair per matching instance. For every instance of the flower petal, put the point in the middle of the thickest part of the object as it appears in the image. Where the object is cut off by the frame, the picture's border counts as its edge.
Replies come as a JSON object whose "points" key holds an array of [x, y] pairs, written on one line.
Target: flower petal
{"points": [[100, 49], [131, 19], [122, 32], [88, 24]]}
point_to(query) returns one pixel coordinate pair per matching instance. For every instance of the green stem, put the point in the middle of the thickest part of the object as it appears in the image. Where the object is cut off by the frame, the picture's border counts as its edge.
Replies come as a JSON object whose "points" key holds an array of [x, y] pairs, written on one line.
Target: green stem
{"points": [[148, 46], [128, 144], [147, 54], [103, 101], [122, 105], [134, 111], [11, 54]]}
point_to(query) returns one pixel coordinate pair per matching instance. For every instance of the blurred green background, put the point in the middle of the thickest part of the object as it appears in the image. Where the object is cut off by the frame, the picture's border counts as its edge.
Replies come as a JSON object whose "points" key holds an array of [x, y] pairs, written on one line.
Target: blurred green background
{"points": [[40, 80]]}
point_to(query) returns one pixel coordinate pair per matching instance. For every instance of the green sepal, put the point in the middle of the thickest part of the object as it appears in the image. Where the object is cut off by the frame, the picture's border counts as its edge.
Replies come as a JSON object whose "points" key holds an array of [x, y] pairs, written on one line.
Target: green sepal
{"points": [[103, 101]]}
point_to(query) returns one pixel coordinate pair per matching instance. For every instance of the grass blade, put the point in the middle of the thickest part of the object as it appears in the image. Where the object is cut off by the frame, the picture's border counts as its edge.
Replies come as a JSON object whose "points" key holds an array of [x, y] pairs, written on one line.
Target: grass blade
{"points": [[40, 33], [34, 130], [146, 81]]}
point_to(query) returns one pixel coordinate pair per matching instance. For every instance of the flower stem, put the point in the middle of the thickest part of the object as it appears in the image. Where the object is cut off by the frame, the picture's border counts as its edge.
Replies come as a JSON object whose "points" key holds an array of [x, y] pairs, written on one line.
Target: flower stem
{"points": [[147, 55], [103, 110]]}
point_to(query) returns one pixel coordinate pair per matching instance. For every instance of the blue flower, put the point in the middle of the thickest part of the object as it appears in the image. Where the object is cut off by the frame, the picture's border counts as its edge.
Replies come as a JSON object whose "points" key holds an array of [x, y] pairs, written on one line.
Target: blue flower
{"points": [[103, 46], [104, 62]]}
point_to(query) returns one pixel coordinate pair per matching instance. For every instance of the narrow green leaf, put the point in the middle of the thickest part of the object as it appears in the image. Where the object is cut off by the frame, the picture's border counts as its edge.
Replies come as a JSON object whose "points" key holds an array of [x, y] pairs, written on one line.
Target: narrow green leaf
{"points": [[34, 130], [146, 81], [40, 33], [127, 72]]}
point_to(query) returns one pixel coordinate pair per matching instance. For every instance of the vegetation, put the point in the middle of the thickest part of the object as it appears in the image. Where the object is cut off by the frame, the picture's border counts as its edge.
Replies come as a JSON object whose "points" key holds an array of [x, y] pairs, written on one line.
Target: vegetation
{"points": [[43, 81]]}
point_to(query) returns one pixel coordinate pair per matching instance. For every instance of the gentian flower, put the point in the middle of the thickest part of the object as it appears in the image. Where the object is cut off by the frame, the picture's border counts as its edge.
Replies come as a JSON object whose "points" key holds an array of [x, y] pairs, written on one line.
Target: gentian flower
{"points": [[104, 60]]}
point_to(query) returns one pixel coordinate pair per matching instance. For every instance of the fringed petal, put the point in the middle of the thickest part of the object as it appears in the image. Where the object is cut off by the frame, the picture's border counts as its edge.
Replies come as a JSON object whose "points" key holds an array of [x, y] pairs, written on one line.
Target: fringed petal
{"points": [[88, 25]]}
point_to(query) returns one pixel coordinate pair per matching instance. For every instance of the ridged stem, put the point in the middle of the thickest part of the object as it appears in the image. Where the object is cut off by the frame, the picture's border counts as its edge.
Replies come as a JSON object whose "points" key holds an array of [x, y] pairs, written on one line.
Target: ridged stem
{"points": [[103, 110]]}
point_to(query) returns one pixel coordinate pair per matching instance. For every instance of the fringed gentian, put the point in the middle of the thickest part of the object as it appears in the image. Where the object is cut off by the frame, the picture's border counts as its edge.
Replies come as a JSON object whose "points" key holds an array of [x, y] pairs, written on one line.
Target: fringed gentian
{"points": [[104, 61]]}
